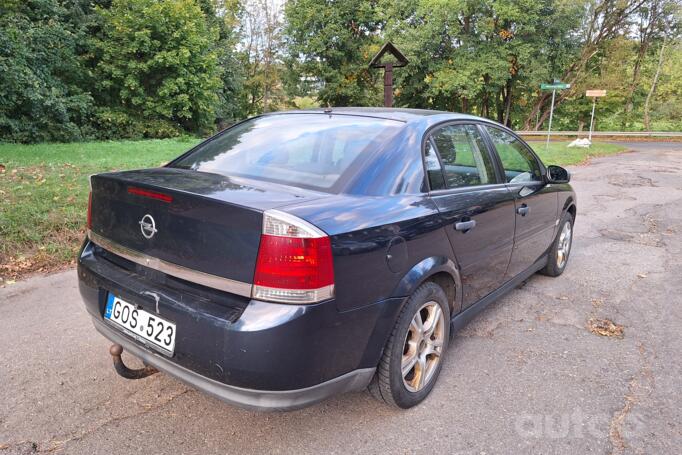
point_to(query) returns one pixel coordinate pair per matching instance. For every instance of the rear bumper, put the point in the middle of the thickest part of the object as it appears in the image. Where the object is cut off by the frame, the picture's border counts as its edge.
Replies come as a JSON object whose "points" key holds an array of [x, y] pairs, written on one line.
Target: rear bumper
{"points": [[261, 355], [261, 400]]}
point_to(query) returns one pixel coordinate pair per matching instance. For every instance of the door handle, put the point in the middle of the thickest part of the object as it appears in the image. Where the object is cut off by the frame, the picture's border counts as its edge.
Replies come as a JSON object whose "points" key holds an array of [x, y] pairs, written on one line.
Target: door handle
{"points": [[523, 210], [465, 226]]}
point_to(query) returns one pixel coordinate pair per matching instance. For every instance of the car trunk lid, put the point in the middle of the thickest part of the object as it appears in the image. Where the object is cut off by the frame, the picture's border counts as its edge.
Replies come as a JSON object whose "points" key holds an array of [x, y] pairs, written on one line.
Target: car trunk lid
{"points": [[200, 221]]}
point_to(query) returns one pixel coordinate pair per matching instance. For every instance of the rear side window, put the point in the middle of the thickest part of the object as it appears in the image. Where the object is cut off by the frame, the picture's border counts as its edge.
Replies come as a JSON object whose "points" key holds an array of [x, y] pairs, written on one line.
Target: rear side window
{"points": [[305, 150], [464, 156], [433, 167], [518, 162]]}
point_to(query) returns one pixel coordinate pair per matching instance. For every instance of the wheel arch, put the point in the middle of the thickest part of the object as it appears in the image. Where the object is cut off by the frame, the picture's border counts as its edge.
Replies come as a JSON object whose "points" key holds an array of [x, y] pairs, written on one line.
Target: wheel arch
{"points": [[439, 269], [570, 207]]}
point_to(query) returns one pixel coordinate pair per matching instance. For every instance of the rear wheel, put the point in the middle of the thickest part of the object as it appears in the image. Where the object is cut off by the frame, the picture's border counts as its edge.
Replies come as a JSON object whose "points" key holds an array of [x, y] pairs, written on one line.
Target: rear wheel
{"points": [[557, 258], [413, 356]]}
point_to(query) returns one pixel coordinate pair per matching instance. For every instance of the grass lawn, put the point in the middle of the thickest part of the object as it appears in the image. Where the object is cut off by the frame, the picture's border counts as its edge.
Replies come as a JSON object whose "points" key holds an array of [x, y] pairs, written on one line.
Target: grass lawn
{"points": [[44, 196], [44, 192], [558, 152]]}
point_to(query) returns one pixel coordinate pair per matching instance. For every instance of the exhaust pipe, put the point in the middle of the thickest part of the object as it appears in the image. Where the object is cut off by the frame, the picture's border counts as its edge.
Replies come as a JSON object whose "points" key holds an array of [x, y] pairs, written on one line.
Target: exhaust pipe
{"points": [[116, 350]]}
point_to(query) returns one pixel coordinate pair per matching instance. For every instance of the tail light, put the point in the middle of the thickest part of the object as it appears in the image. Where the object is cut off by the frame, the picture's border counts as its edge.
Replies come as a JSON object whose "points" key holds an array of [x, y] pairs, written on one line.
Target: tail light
{"points": [[90, 210], [294, 262]]}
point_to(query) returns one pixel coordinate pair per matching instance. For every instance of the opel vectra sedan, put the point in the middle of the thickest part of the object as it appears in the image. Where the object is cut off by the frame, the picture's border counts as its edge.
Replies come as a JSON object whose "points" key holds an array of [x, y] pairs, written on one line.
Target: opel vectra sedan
{"points": [[298, 255]]}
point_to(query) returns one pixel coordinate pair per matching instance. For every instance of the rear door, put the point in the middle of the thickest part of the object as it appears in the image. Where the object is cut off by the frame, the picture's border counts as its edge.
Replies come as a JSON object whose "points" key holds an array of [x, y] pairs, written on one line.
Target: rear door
{"points": [[476, 207], [535, 201]]}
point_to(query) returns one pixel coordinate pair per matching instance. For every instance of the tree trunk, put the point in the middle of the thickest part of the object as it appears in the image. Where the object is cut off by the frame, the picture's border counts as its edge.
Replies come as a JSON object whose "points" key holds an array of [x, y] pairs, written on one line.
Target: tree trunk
{"points": [[652, 90], [485, 97], [499, 105], [533, 117], [507, 107], [629, 103], [649, 25]]}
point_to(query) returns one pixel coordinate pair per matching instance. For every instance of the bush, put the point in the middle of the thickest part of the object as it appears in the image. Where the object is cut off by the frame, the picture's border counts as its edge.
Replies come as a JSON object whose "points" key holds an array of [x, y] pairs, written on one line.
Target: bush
{"points": [[119, 124], [158, 61], [40, 95]]}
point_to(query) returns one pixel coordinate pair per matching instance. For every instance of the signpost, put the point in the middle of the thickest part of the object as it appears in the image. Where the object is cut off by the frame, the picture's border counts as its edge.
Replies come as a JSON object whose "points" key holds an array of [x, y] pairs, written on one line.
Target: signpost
{"points": [[594, 94], [557, 85]]}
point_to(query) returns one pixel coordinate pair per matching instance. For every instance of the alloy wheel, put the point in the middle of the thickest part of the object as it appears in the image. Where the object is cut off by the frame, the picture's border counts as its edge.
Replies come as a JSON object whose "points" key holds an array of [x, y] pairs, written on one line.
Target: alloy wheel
{"points": [[564, 246], [423, 346]]}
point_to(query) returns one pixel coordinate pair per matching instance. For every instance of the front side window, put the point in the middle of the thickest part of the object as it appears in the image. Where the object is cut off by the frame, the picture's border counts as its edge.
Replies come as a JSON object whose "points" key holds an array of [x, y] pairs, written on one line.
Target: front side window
{"points": [[518, 162], [464, 156], [304, 150]]}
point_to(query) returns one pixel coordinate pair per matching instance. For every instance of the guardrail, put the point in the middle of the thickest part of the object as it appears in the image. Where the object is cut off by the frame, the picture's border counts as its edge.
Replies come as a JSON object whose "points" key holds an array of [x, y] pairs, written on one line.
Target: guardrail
{"points": [[604, 133]]}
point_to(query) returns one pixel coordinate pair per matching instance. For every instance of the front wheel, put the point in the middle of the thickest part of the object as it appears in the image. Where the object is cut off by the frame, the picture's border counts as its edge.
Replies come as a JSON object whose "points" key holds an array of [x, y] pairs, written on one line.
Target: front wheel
{"points": [[557, 258], [413, 355]]}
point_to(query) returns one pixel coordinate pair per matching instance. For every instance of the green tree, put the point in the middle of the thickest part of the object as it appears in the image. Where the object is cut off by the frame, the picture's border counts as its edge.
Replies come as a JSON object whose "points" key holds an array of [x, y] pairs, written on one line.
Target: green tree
{"points": [[330, 44], [481, 57], [158, 63], [261, 50], [41, 76], [224, 15]]}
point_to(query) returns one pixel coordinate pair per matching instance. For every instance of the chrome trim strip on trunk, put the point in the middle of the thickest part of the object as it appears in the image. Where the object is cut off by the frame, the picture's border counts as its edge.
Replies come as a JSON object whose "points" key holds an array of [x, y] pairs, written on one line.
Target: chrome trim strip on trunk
{"points": [[178, 271]]}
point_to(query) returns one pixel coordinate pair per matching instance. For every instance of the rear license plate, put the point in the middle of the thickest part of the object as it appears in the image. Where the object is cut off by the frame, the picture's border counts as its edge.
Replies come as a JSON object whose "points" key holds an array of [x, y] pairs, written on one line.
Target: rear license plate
{"points": [[146, 327]]}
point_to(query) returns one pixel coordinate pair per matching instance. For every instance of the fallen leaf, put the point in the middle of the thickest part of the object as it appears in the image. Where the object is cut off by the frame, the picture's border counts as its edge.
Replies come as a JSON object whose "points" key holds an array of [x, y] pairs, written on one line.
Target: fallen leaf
{"points": [[9, 282], [2, 168], [641, 275], [605, 328]]}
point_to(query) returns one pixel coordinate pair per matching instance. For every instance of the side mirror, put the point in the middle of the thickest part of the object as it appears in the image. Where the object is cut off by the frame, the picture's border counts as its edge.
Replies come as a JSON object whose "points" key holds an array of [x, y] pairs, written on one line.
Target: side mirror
{"points": [[557, 174]]}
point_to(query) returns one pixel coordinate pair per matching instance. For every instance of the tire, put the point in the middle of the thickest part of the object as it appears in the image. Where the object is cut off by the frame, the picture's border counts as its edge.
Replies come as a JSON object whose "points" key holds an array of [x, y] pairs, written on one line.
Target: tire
{"points": [[555, 264], [428, 303]]}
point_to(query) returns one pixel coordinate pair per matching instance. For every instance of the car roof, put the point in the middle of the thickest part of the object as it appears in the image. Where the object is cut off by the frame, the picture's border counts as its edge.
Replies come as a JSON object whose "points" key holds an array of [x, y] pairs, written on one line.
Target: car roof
{"points": [[400, 114]]}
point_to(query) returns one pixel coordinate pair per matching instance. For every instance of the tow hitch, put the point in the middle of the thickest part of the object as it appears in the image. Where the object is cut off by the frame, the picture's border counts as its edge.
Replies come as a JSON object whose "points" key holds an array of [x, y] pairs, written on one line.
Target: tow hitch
{"points": [[116, 350]]}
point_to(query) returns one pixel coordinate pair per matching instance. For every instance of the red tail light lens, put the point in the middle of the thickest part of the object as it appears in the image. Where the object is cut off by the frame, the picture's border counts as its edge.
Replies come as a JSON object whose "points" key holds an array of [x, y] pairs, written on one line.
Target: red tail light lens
{"points": [[294, 268], [90, 210], [291, 263]]}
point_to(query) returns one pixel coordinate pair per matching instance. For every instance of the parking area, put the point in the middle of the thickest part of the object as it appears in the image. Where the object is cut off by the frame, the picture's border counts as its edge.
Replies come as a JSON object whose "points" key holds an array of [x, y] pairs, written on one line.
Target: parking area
{"points": [[531, 373]]}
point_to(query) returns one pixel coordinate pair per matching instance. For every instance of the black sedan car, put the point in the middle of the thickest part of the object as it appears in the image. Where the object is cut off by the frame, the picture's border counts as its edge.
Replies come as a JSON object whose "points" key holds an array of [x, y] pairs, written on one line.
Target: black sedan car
{"points": [[298, 255]]}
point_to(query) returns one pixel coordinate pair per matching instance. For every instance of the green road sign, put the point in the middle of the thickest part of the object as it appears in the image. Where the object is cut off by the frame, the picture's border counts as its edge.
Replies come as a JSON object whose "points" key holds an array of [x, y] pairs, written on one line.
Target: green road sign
{"points": [[555, 86]]}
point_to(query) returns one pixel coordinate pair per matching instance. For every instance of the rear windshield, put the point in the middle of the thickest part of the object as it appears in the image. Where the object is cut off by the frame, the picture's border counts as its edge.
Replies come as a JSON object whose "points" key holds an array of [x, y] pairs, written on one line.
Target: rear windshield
{"points": [[304, 150]]}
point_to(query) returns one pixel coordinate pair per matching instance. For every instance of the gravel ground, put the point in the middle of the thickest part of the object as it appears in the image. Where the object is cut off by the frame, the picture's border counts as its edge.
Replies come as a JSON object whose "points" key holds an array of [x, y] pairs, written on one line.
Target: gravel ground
{"points": [[526, 376]]}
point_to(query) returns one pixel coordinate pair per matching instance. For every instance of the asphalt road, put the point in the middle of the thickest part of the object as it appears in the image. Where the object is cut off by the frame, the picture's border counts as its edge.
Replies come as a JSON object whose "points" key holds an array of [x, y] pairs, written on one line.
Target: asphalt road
{"points": [[526, 375]]}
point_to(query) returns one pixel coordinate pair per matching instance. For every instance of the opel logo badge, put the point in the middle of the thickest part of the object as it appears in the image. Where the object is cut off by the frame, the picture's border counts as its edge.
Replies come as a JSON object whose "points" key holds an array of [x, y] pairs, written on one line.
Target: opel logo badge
{"points": [[147, 226]]}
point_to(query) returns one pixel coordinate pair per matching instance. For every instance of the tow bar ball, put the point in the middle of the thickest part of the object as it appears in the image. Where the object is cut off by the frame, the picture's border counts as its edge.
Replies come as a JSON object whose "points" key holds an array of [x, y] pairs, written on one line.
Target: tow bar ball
{"points": [[116, 350]]}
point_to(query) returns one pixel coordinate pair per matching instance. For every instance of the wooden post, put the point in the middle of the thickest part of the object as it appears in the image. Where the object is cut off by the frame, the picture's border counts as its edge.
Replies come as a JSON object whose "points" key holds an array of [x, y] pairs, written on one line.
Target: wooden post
{"points": [[388, 69], [388, 85]]}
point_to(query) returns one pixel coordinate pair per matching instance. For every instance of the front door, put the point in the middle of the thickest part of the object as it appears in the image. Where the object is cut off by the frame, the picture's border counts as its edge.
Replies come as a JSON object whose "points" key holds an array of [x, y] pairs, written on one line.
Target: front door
{"points": [[535, 201], [476, 208]]}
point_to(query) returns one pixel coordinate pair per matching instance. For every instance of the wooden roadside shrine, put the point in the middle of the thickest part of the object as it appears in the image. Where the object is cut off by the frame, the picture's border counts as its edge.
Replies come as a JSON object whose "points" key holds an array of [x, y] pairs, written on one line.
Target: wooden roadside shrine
{"points": [[399, 61]]}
